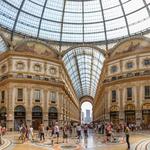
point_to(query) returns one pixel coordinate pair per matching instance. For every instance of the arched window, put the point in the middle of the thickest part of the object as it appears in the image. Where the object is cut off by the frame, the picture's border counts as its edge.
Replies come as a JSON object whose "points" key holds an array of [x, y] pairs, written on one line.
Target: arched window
{"points": [[52, 110], [19, 109]]}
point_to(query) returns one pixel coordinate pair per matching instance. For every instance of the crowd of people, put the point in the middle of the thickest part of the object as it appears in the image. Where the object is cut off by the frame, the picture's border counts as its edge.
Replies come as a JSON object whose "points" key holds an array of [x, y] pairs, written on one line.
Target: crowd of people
{"points": [[63, 133], [54, 132]]}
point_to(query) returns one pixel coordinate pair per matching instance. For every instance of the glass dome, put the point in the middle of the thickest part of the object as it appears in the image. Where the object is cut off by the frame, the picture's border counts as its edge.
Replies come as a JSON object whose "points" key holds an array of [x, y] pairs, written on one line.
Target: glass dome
{"points": [[76, 20]]}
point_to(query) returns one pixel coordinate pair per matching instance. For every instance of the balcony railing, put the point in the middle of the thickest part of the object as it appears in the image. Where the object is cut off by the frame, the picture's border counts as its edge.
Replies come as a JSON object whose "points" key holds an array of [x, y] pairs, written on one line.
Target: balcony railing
{"points": [[127, 75]]}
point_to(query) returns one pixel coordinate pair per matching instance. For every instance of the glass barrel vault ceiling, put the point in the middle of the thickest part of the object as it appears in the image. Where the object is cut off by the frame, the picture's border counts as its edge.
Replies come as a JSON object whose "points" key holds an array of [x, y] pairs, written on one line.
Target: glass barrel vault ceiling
{"points": [[76, 20], [3, 46], [84, 66]]}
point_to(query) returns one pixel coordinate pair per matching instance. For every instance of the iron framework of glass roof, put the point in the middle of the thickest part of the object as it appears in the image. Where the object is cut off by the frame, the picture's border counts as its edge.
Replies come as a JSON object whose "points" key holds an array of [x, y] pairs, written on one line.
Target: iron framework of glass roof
{"points": [[84, 66], [76, 20], [3, 46]]}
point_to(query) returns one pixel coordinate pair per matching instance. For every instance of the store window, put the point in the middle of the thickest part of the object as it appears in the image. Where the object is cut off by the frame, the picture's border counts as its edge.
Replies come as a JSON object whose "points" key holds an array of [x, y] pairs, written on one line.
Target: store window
{"points": [[129, 93], [20, 94], [37, 95], [147, 92], [113, 69], [113, 95]]}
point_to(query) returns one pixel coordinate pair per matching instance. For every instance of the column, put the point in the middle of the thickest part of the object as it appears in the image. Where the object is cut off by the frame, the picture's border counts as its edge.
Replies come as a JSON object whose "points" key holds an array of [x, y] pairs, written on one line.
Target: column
{"points": [[121, 110], [138, 111], [45, 107], [10, 109], [28, 106]]}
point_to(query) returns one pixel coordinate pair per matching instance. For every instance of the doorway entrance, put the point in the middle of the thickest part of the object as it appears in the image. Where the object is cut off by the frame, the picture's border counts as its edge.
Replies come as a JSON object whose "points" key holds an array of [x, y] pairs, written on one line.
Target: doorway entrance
{"points": [[52, 116], [19, 117], [37, 117], [3, 115], [86, 113]]}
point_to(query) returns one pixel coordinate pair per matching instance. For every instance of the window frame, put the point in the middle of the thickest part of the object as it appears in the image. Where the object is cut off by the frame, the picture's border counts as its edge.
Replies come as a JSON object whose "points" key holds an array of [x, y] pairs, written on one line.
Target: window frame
{"points": [[129, 95], [112, 69], [147, 92], [113, 95], [37, 95], [19, 98]]}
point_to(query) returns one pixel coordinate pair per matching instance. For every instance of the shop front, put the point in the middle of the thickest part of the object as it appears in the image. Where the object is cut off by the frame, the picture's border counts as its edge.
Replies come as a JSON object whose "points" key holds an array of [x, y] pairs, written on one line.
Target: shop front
{"points": [[146, 115], [130, 114], [3, 116], [52, 116], [19, 117], [114, 114], [114, 117], [37, 117]]}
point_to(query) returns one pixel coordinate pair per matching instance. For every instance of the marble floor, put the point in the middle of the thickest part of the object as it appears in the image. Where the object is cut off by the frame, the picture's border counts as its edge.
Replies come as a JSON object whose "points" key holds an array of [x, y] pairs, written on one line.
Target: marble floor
{"points": [[138, 140]]}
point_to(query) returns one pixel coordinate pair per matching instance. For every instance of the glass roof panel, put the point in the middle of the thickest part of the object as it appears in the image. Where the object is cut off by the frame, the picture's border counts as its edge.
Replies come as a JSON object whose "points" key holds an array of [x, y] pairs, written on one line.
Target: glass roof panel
{"points": [[3, 46], [101, 21], [86, 70]]}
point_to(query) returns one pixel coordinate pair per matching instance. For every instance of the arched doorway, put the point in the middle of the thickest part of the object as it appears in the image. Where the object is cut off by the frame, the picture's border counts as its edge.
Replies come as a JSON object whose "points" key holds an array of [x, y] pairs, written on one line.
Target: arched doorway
{"points": [[130, 113], [3, 116], [52, 116], [114, 114], [19, 116], [146, 114], [37, 116], [86, 112]]}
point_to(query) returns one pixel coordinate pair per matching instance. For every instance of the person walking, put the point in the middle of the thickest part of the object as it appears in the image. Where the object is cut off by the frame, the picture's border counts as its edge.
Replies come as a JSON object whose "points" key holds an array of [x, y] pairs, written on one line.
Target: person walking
{"points": [[78, 129], [65, 133], [41, 132], [85, 130], [127, 130], [56, 131], [31, 133]]}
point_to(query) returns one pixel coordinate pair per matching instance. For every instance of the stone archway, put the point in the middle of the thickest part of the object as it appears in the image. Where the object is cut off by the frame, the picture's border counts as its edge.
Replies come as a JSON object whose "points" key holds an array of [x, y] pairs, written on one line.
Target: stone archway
{"points": [[146, 115], [130, 113], [114, 114], [83, 100], [19, 116], [52, 116], [37, 116]]}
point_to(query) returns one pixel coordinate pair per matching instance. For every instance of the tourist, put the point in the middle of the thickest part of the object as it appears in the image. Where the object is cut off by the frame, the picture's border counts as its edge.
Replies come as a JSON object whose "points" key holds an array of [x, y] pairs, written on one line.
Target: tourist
{"points": [[22, 133], [56, 131], [78, 129], [65, 133], [31, 133], [108, 130], [85, 130], [127, 130], [41, 132]]}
